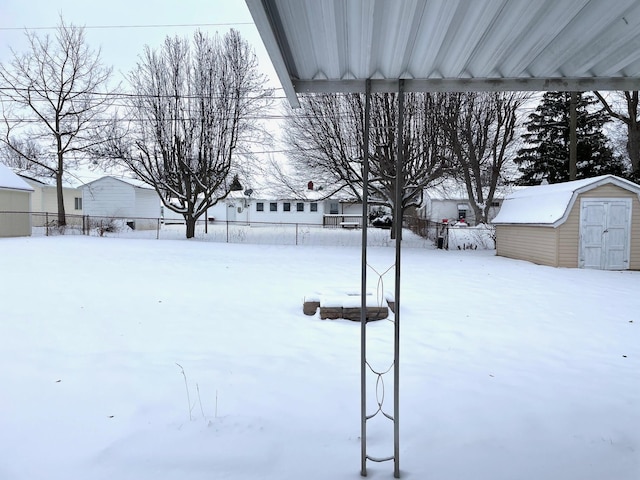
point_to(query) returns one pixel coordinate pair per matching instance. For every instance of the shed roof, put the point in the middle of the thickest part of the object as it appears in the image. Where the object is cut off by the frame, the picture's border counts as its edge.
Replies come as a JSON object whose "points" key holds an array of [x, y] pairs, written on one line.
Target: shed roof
{"points": [[451, 45], [550, 205], [129, 181], [11, 181]]}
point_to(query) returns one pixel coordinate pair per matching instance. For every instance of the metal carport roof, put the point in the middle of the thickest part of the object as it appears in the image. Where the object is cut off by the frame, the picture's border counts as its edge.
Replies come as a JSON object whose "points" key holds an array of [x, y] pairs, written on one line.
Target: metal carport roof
{"points": [[451, 45], [443, 45]]}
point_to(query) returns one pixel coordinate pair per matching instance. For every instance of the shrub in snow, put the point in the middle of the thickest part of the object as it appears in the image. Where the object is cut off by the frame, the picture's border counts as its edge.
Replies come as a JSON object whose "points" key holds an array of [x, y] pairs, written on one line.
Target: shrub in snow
{"points": [[384, 221]]}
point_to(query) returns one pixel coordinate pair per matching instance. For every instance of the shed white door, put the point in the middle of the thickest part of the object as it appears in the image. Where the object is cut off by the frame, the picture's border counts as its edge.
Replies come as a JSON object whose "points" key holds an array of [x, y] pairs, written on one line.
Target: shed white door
{"points": [[605, 233]]}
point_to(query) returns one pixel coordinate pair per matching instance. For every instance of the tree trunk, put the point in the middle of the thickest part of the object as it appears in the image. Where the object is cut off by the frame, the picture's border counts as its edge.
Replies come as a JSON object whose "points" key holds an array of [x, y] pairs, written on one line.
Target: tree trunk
{"points": [[62, 217], [479, 213], [393, 225], [191, 227]]}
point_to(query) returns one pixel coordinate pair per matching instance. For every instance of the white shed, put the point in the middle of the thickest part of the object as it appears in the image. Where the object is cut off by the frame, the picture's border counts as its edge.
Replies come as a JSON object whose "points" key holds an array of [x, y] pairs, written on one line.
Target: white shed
{"points": [[15, 204], [590, 223], [121, 198]]}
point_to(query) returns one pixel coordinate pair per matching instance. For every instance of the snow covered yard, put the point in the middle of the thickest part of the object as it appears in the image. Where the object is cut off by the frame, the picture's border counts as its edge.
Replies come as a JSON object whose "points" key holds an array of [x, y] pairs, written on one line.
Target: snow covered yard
{"points": [[508, 370]]}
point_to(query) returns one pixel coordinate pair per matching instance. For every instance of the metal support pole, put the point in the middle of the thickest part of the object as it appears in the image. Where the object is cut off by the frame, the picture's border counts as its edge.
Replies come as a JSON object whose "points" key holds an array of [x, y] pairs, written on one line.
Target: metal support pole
{"points": [[397, 218], [363, 285], [573, 137]]}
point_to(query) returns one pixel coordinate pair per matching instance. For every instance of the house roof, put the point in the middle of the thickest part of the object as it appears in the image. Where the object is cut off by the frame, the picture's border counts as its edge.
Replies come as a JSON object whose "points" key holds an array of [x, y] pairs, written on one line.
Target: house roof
{"points": [[480, 45], [129, 181], [33, 181], [550, 204], [449, 189], [11, 181]]}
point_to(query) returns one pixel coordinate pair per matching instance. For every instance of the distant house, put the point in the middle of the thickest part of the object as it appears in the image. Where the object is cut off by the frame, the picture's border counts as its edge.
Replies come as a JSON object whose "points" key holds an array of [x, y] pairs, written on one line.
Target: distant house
{"points": [[591, 223], [44, 201], [449, 201], [309, 207], [15, 204], [131, 200]]}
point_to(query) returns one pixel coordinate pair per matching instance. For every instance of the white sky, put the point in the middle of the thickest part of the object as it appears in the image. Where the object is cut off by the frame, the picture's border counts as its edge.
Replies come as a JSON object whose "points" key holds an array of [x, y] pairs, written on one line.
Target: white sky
{"points": [[122, 44], [132, 26]]}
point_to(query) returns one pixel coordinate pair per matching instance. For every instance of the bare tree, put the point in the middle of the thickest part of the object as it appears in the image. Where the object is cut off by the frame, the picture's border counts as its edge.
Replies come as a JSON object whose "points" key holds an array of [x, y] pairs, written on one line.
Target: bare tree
{"points": [[191, 110], [631, 119], [328, 132], [51, 104], [480, 130]]}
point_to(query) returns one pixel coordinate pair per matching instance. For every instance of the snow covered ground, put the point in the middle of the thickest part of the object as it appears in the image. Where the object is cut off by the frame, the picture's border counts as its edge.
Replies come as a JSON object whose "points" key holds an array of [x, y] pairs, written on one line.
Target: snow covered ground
{"points": [[509, 370]]}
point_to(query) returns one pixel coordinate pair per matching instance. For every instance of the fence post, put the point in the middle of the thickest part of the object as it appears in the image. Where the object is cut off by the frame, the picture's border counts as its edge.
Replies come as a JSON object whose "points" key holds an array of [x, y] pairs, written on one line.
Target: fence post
{"points": [[296, 234], [46, 222], [447, 230], [227, 230], [158, 230]]}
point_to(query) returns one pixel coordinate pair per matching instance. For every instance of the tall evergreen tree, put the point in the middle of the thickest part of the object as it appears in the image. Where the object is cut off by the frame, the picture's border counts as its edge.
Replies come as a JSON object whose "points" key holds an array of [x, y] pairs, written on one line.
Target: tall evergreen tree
{"points": [[546, 156]]}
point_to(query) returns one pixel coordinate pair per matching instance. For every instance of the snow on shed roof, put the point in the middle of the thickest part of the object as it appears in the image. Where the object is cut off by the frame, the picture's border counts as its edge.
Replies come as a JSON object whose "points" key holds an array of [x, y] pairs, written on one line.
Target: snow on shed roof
{"points": [[550, 204], [11, 181]]}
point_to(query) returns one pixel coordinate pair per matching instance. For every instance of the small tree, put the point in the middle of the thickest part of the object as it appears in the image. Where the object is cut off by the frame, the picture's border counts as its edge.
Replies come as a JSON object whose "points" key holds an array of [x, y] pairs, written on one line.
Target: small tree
{"points": [[328, 139], [547, 153], [480, 129], [54, 101], [191, 109], [626, 111]]}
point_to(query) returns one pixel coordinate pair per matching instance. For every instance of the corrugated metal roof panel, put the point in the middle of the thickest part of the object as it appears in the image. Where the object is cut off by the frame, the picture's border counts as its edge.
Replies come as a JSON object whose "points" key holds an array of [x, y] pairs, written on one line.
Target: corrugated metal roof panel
{"points": [[334, 45]]}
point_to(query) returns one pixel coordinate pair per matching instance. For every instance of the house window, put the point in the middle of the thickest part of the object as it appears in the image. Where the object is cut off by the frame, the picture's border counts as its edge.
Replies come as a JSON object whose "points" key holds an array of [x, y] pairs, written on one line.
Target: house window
{"points": [[286, 206], [313, 207], [462, 211], [260, 207], [300, 207], [273, 207], [78, 203], [333, 208], [495, 204]]}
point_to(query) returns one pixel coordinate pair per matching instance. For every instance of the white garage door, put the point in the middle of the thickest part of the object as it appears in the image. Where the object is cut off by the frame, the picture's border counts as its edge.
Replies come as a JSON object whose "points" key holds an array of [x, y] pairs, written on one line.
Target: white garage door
{"points": [[605, 233]]}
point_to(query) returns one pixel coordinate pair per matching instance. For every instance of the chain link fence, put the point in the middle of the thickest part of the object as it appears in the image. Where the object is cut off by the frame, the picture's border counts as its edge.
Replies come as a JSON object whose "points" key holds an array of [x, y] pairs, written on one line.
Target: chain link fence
{"points": [[47, 224], [419, 232], [459, 236]]}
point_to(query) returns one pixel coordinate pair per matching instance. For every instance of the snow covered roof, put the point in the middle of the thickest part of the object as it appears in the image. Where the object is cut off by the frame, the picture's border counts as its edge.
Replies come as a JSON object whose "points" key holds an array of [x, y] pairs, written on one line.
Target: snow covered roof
{"points": [[130, 181], [11, 181], [550, 204], [450, 189], [281, 192]]}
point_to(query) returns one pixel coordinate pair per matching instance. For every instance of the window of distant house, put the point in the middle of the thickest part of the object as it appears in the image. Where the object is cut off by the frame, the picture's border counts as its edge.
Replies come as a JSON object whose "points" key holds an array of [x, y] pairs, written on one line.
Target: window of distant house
{"points": [[462, 214], [495, 204], [333, 208], [313, 207], [286, 206], [78, 203], [300, 207], [273, 207], [260, 207]]}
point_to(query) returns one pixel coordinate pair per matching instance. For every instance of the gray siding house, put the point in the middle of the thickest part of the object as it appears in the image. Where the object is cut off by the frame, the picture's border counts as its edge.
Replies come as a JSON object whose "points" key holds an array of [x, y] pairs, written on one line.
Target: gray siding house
{"points": [[133, 201]]}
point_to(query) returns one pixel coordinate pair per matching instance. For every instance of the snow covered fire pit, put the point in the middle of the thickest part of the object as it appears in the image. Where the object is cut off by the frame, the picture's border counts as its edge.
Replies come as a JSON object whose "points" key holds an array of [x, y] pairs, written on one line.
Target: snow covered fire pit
{"points": [[334, 304]]}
